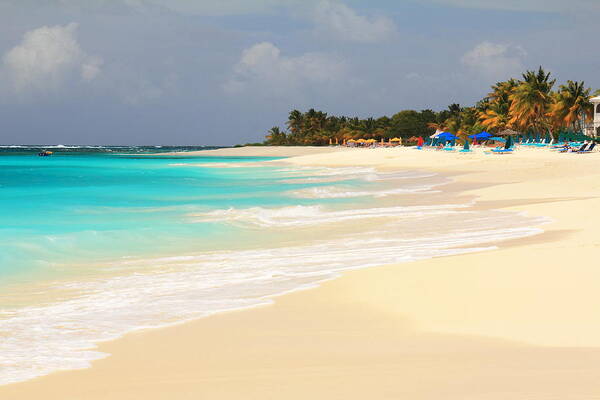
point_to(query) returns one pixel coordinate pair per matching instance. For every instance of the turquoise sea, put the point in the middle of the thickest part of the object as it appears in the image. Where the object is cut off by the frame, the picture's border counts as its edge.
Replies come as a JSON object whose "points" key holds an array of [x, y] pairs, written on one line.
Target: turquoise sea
{"points": [[90, 207], [96, 242]]}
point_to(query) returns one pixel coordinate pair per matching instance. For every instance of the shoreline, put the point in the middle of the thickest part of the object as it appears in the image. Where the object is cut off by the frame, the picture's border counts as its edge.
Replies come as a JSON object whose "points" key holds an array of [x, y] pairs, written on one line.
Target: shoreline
{"points": [[505, 320]]}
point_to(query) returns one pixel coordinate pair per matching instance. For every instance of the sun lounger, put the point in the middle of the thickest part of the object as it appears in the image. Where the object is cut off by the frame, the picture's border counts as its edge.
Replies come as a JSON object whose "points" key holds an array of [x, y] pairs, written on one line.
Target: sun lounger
{"points": [[502, 150], [572, 150], [588, 150]]}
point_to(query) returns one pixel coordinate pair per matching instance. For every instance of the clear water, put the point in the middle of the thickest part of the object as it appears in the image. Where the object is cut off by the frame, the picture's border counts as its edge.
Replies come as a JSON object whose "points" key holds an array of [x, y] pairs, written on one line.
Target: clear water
{"points": [[77, 207], [98, 242]]}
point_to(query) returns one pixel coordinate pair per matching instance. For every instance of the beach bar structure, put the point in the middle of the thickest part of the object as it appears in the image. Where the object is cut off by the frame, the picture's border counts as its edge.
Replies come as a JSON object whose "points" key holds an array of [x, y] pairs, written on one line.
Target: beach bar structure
{"points": [[594, 128]]}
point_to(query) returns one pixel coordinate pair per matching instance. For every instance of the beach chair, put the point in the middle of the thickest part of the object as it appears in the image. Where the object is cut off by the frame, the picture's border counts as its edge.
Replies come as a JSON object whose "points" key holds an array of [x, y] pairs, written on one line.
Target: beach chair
{"points": [[569, 149], [588, 150], [503, 150]]}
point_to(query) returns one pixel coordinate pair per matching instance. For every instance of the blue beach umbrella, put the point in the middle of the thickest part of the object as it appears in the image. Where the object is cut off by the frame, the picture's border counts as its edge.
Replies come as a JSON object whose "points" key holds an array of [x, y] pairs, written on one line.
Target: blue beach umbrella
{"points": [[481, 135], [447, 136]]}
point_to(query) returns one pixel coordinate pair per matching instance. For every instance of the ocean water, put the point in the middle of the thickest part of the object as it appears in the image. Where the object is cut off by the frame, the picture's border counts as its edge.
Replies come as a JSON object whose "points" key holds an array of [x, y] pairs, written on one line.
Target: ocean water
{"points": [[98, 242]]}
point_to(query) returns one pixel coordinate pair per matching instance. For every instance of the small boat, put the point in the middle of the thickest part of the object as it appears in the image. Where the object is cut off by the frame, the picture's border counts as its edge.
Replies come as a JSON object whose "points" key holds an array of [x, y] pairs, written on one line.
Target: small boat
{"points": [[45, 153]]}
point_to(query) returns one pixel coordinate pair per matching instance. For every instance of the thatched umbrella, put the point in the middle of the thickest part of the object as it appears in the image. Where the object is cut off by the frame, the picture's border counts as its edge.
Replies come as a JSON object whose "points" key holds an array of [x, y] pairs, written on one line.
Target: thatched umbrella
{"points": [[508, 132]]}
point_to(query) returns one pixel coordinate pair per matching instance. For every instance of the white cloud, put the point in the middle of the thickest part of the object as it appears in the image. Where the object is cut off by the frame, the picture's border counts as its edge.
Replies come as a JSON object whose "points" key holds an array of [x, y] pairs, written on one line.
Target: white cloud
{"points": [[495, 60], [262, 68], [526, 5], [91, 68], [47, 58], [223, 7], [337, 20]]}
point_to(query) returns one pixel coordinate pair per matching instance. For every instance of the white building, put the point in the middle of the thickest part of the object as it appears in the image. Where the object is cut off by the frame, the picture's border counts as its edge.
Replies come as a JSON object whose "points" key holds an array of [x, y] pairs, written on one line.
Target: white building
{"points": [[594, 128]]}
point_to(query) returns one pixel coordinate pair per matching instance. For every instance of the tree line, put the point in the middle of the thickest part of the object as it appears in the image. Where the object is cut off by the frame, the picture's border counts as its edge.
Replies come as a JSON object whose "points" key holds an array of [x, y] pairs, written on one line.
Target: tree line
{"points": [[529, 105]]}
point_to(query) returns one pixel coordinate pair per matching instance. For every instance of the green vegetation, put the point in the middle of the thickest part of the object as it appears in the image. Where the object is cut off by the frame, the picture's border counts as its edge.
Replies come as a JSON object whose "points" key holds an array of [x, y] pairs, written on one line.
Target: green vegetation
{"points": [[529, 105]]}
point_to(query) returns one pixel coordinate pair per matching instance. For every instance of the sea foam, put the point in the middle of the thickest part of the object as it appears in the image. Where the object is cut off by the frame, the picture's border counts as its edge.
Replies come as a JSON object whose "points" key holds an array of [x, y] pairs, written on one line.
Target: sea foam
{"points": [[129, 294], [152, 293]]}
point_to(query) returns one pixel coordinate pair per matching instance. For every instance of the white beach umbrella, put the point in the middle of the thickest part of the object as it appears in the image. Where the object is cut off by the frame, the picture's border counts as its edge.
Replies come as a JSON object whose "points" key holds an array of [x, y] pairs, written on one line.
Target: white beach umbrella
{"points": [[437, 133]]}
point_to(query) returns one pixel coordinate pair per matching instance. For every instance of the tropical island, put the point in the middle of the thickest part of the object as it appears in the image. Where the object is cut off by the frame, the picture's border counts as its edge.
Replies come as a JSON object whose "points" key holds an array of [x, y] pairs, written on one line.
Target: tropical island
{"points": [[530, 105]]}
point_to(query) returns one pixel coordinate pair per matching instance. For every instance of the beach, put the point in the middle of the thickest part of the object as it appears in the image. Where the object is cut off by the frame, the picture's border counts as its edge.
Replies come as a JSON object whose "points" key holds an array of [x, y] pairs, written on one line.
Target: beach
{"points": [[517, 321]]}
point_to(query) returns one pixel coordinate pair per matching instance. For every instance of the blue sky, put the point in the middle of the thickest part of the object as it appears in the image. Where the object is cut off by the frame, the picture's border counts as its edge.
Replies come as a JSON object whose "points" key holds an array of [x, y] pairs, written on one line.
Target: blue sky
{"points": [[223, 72]]}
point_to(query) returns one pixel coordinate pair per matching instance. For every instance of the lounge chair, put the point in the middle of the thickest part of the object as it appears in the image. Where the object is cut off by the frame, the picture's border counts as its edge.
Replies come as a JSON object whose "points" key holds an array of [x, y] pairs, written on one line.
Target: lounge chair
{"points": [[568, 149], [588, 150], [502, 150]]}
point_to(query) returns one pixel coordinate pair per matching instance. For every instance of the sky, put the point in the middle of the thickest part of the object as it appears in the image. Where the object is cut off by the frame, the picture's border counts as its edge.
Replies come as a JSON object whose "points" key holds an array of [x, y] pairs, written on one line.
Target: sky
{"points": [[222, 72]]}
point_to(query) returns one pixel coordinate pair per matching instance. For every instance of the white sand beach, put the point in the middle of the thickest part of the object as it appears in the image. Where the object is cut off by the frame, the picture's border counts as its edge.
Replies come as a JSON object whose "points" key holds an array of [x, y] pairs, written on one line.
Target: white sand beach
{"points": [[518, 322]]}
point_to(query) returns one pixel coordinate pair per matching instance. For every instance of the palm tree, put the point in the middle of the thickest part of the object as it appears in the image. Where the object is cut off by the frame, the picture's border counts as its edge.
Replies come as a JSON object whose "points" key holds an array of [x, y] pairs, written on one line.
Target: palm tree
{"points": [[571, 105], [275, 137], [368, 126], [530, 101], [502, 90], [496, 117], [469, 120], [437, 126], [295, 125]]}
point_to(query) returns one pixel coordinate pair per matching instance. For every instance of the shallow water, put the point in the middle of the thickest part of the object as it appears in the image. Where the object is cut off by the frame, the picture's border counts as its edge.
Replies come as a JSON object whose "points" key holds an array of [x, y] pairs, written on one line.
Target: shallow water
{"points": [[95, 245]]}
